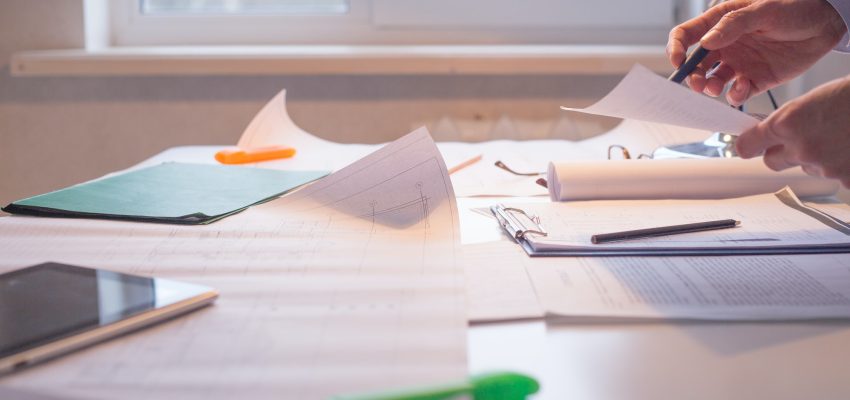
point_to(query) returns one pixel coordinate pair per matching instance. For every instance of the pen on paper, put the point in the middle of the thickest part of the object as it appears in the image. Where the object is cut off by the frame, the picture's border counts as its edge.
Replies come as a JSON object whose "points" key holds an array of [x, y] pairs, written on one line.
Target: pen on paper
{"points": [[664, 231], [465, 164], [243, 156]]}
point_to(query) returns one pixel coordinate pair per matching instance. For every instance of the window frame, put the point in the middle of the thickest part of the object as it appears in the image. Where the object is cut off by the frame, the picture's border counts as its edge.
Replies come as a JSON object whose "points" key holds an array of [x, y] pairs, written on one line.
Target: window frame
{"points": [[370, 22], [367, 50]]}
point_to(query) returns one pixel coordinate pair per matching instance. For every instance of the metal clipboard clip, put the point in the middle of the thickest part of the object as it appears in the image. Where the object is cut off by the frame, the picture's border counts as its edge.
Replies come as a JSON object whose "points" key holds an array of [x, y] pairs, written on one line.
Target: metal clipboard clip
{"points": [[517, 223]]}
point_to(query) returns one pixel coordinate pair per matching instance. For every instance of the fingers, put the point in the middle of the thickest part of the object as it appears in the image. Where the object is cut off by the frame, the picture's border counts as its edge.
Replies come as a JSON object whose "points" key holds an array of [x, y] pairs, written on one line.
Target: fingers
{"points": [[778, 158], [763, 139], [718, 78], [739, 92], [696, 80], [811, 131], [732, 26], [812, 170], [689, 32], [755, 141], [676, 45], [680, 38]]}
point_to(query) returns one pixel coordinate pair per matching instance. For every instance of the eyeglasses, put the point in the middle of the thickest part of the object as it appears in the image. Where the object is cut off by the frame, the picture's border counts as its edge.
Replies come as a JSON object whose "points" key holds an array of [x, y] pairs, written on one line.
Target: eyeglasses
{"points": [[624, 152], [539, 181], [506, 168]]}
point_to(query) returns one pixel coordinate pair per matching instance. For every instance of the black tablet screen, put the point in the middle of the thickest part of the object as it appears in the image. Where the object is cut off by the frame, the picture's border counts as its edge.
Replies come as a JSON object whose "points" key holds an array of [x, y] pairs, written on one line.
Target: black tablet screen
{"points": [[50, 301]]}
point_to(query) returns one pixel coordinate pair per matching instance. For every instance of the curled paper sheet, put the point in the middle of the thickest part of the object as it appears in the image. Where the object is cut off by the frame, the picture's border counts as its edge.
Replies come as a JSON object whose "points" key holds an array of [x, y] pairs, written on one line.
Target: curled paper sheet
{"points": [[645, 96], [713, 178]]}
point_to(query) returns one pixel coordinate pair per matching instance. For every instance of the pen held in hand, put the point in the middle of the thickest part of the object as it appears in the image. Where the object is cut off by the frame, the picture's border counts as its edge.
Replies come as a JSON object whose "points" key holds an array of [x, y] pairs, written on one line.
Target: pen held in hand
{"points": [[689, 65], [664, 231]]}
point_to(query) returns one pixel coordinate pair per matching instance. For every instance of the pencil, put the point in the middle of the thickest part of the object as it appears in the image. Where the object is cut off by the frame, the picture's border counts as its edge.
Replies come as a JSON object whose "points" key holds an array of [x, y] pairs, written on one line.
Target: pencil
{"points": [[465, 164], [664, 231]]}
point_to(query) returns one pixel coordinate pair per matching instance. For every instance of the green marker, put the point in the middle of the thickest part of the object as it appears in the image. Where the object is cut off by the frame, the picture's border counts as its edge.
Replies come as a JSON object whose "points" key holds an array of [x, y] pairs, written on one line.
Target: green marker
{"points": [[489, 386]]}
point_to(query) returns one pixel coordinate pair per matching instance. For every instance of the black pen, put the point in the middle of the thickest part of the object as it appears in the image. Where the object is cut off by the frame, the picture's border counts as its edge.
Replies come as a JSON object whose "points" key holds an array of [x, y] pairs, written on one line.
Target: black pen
{"points": [[689, 65], [664, 231]]}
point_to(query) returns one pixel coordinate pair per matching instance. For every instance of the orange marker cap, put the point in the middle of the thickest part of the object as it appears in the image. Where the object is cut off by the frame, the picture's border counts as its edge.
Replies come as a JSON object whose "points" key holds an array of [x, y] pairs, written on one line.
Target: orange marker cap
{"points": [[257, 154]]}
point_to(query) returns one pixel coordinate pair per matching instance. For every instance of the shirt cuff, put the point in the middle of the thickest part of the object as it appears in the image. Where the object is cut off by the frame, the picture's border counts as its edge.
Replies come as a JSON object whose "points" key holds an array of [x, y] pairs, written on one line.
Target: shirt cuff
{"points": [[843, 8]]}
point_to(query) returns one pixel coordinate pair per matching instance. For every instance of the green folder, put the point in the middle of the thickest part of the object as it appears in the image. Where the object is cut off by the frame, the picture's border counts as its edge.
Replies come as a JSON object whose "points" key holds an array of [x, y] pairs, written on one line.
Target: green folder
{"points": [[173, 193]]}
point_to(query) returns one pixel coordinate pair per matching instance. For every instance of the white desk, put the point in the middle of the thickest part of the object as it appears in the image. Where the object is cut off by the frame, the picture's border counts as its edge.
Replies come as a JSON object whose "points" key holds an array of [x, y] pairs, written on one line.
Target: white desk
{"points": [[661, 360], [671, 360]]}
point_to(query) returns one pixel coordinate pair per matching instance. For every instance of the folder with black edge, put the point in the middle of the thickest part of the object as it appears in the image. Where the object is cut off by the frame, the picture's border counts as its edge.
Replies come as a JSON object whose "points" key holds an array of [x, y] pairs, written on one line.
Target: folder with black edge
{"points": [[175, 193]]}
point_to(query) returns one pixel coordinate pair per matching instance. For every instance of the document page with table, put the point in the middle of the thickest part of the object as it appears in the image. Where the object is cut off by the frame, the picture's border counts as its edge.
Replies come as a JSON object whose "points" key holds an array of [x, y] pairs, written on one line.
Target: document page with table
{"points": [[771, 288]]}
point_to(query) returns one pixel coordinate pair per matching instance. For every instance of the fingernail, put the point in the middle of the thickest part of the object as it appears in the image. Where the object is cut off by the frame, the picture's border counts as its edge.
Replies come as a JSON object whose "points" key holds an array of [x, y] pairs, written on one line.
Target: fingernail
{"points": [[742, 146]]}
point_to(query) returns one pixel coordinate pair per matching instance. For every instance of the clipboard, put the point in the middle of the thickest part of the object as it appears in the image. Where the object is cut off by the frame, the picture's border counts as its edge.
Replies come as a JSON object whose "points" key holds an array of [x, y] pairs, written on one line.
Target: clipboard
{"points": [[529, 232]]}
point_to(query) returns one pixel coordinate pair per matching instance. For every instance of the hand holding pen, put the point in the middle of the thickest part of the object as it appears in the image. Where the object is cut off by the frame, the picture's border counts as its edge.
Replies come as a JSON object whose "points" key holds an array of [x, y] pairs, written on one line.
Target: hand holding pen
{"points": [[758, 44]]}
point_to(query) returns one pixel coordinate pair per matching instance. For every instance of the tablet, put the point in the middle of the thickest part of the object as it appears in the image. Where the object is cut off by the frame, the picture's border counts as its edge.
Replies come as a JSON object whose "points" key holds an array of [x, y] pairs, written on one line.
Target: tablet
{"points": [[50, 309]]}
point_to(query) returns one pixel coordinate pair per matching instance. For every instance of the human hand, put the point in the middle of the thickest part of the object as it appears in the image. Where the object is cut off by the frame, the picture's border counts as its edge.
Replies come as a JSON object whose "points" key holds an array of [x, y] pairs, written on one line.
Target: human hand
{"points": [[812, 131], [758, 43]]}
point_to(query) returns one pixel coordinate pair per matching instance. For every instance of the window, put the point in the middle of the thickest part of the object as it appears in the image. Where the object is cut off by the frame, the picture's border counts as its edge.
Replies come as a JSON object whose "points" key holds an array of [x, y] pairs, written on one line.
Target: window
{"points": [[169, 37], [235, 7], [348, 22]]}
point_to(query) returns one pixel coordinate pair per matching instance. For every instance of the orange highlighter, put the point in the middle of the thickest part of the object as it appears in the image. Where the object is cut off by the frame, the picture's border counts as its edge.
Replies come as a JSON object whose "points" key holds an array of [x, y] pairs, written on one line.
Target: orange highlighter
{"points": [[257, 154]]}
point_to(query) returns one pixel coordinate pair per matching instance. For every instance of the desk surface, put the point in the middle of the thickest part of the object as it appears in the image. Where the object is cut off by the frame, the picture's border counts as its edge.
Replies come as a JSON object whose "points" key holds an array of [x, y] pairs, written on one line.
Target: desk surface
{"points": [[671, 360], [660, 360]]}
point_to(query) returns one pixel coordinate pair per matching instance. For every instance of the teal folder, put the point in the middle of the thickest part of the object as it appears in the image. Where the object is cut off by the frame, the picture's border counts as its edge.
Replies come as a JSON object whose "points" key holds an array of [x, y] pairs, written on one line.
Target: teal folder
{"points": [[175, 193]]}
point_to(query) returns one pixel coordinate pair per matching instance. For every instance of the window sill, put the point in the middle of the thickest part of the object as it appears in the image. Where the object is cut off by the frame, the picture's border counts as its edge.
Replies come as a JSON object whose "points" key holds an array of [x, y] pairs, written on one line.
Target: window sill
{"points": [[353, 60]]}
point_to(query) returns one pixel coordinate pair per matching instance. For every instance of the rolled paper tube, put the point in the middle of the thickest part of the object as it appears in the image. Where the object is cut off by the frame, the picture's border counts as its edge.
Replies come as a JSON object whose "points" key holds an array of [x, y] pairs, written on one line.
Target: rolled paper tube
{"points": [[710, 178]]}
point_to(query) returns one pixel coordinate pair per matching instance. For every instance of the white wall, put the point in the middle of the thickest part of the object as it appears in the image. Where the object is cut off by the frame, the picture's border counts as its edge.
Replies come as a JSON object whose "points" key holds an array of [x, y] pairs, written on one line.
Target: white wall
{"points": [[59, 131]]}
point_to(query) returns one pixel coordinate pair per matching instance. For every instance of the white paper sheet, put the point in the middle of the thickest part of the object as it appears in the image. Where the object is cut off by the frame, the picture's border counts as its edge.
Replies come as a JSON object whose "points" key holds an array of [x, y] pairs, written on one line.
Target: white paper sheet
{"points": [[645, 96], [273, 126], [709, 178], [350, 286], [800, 287], [497, 284]]}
